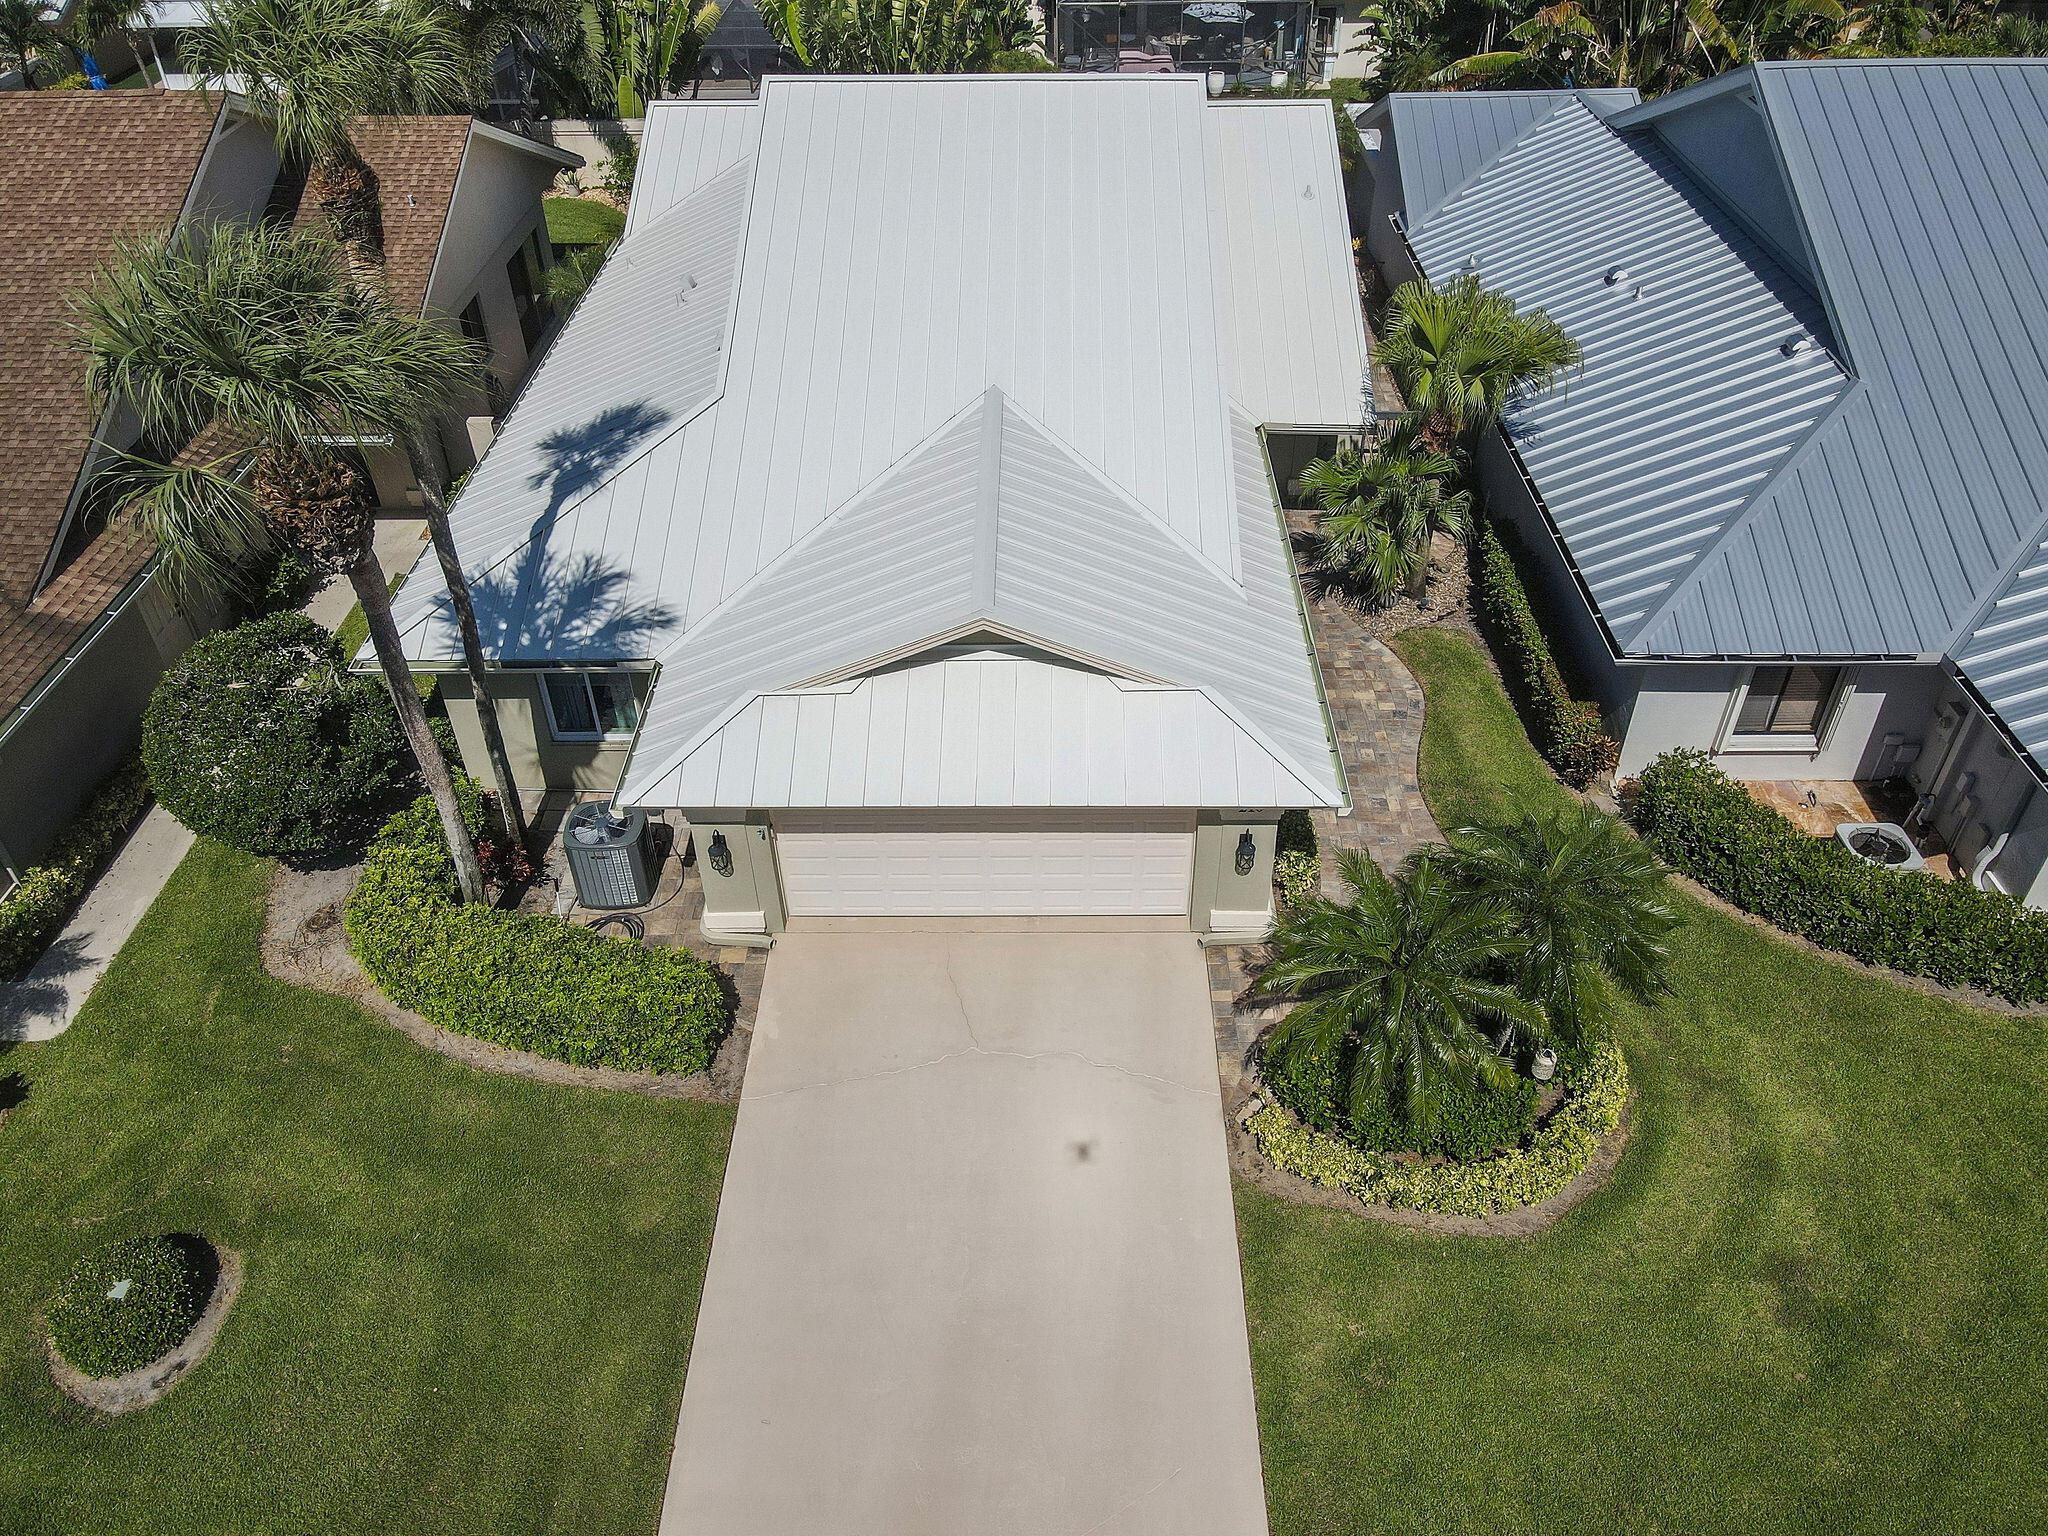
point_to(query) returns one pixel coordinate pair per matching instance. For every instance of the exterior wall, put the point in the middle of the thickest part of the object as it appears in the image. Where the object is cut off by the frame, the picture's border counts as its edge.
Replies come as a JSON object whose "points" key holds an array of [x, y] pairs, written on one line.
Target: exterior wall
{"points": [[1226, 904], [1354, 48], [241, 168], [538, 760], [1376, 199], [87, 719], [1686, 704], [593, 139], [744, 905]]}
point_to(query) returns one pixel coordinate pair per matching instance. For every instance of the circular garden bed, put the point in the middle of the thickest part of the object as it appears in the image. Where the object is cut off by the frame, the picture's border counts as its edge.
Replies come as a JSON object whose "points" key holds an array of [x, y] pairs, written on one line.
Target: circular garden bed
{"points": [[131, 1319]]}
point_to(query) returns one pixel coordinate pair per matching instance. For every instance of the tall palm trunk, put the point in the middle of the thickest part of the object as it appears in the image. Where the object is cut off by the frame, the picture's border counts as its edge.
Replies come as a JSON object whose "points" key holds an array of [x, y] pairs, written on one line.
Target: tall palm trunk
{"points": [[367, 577], [427, 470]]}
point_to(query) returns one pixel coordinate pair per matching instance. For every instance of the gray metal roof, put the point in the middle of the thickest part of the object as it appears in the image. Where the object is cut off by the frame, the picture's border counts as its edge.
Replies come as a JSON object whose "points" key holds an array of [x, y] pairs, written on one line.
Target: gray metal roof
{"points": [[1445, 138], [1686, 404], [1910, 520]]}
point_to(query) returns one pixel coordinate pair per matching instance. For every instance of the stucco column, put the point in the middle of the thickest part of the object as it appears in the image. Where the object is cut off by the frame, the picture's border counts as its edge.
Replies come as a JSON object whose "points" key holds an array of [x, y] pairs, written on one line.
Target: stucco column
{"points": [[1233, 905]]}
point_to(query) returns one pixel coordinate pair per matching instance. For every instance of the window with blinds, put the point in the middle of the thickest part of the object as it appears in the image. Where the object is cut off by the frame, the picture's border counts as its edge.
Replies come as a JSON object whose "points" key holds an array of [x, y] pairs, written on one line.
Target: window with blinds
{"points": [[1786, 701]]}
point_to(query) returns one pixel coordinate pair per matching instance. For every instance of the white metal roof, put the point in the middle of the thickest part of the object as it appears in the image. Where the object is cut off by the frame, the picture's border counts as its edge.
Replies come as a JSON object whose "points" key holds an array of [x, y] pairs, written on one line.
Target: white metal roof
{"points": [[735, 458], [986, 729]]}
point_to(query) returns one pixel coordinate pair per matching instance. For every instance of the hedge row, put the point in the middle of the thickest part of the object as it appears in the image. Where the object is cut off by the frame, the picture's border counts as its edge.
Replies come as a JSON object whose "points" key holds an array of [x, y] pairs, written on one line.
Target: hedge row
{"points": [[1558, 1152], [33, 912], [533, 983], [1706, 825], [1568, 731], [1473, 1120]]}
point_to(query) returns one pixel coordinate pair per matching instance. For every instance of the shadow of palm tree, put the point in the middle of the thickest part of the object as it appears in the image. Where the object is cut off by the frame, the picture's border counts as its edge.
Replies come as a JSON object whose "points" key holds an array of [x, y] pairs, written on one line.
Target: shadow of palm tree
{"points": [[577, 605], [40, 992]]}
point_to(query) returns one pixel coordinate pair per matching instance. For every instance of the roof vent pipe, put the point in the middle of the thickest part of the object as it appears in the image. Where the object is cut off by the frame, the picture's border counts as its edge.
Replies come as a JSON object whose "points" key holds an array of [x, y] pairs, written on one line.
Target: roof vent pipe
{"points": [[1616, 276], [1639, 290]]}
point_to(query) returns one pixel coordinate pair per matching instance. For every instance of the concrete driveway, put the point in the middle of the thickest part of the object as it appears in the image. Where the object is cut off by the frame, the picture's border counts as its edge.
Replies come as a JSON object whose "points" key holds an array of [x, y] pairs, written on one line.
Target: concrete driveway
{"points": [[976, 1268]]}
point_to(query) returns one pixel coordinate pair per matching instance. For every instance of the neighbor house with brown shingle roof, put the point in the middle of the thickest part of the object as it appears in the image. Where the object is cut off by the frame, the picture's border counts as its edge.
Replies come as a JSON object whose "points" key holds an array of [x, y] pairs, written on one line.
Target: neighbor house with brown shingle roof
{"points": [[85, 630]]}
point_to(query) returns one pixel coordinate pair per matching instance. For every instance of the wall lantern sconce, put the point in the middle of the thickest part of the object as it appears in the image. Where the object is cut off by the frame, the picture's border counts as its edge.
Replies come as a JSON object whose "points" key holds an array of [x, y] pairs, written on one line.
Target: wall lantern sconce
{"points": [[1247, 853], [718, 855]]}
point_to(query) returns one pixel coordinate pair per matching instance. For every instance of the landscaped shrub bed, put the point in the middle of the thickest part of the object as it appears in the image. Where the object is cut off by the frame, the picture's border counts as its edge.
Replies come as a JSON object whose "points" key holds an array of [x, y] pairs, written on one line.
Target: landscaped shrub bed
{"points": [[1568, 731], [1473, 1120], [1297, 862], [161, 1292], [1557, 1152], [1704, 824], [529, 982], [33, 912]]}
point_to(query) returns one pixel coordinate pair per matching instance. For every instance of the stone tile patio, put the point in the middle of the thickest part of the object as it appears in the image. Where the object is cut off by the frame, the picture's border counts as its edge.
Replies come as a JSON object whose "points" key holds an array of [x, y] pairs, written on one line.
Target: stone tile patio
{"points": [[1376, 706]]}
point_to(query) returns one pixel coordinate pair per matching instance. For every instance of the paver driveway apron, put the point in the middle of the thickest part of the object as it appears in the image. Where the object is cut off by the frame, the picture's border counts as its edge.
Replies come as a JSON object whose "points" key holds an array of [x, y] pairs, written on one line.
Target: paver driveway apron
{"points": [[975, 1269]]}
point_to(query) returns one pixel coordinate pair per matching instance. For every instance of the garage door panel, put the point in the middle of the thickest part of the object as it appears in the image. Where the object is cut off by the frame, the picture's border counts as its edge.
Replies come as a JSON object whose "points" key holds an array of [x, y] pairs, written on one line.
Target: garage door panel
{"points": [[1067, 864]]}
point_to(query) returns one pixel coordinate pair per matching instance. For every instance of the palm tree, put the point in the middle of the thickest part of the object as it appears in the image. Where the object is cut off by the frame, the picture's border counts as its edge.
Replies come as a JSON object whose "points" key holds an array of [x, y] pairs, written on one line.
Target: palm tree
{"points": [[1395, 986], [1382, 509], [1461, 353], [22, 31], [311, 68], [1649, 43], [261, 339], [647, 49], [1589, 904]]}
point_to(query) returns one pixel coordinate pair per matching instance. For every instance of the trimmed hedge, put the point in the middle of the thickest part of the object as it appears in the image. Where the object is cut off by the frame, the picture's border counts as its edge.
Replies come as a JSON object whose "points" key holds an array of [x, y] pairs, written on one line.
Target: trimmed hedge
{"points": [[1568, 731], [533, 983], [259, 738], [1473, 1121], [1297, 861], [1558, 1151], [33, 912], [102, 1335], [1704, 824]]}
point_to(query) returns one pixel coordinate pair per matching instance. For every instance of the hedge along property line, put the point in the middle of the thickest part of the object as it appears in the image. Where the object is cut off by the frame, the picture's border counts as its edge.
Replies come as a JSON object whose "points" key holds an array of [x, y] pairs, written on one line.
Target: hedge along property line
{"points": [[1568, 731], [34, 911], [533, 983], [1559, 1151], [1705, 825]]}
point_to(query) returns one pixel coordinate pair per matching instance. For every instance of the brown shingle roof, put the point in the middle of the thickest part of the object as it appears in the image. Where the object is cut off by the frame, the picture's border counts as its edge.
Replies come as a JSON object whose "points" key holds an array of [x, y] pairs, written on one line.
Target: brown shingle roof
{"points": [[415, 160], [78, 171]]}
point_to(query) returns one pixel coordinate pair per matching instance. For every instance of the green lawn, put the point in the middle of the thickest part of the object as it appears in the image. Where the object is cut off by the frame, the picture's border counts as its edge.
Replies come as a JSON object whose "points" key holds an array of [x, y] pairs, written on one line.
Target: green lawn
{"points": [[469, 1298], [1814, 1297], [582, 221]]}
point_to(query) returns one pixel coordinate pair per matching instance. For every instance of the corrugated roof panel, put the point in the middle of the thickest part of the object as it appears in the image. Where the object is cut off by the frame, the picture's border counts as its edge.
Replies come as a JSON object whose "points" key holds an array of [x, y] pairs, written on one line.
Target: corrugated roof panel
{"points": [[2005, 655], [1287, 257], [986, 729], [1686, 405], [1445, 138]]}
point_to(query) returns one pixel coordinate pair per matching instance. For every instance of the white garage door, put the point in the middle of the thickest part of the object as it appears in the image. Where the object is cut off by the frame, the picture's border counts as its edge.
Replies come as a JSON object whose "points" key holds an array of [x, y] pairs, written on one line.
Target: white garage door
{"points": [[985, 864]]}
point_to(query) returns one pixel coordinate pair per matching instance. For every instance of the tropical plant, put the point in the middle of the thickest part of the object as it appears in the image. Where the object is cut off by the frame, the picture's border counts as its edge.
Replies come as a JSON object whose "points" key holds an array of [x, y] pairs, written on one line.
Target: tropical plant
{"points": [[647, 49], [1652, 44], [570, 277], [261, 343], [88, 25], [310, 68], [881, 37], [23, 31], [1589, 904], [1007, 26], [1746, 31], [1461, 352], [1381, 510], [1396, 986]]}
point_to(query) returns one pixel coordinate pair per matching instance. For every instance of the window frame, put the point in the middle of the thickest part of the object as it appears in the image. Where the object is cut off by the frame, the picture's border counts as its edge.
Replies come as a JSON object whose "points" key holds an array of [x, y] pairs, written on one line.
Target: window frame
{"points": [[1838, 692], [558, 732]]}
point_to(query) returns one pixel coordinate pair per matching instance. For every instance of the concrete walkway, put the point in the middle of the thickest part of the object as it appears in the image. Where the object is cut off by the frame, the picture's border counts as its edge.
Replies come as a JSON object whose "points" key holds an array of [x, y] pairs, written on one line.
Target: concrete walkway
{"points": [[975, 1271], [43, 1003]]}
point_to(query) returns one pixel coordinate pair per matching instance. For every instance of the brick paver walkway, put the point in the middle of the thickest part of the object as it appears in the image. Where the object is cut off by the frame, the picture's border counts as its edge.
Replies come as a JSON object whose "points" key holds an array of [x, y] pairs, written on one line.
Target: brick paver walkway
{"points": [[1376, 706]]}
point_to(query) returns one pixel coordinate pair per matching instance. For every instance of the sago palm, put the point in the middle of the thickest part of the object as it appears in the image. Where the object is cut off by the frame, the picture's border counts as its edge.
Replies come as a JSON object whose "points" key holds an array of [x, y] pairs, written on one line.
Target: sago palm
{"points": [[1381, 510], [260, 341], [1589, 904], [1462, 353], [1395, 988]]}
